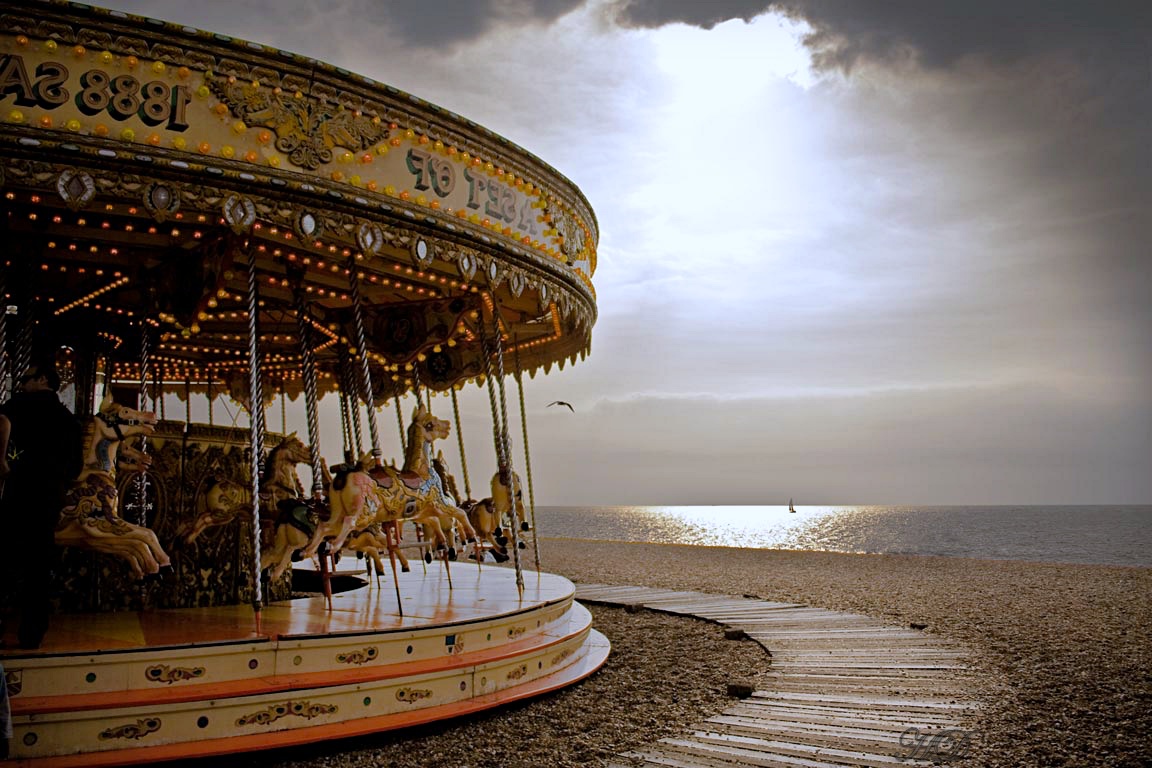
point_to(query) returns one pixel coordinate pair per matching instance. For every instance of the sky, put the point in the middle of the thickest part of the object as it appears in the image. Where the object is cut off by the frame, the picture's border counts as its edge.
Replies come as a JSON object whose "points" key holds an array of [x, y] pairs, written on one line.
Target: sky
{"points": [[850, 252]]}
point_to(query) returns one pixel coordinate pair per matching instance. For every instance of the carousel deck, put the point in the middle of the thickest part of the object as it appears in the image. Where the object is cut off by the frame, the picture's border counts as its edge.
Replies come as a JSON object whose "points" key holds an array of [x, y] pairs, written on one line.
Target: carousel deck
{"points": [[129, 688]]}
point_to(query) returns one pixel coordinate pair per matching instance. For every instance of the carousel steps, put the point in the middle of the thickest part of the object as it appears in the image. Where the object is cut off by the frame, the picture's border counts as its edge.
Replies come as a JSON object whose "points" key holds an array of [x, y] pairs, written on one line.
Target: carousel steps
{"points": [[573, 622], [126, 706]]}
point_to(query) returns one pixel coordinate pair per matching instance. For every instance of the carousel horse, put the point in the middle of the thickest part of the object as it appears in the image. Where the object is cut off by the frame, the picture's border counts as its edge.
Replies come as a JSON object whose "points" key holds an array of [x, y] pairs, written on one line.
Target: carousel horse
{"points": [[373, 540], [218, 503], [508, 498], [282, 495], [369, 544], [481, 514], [383, 494], [90, 518]]}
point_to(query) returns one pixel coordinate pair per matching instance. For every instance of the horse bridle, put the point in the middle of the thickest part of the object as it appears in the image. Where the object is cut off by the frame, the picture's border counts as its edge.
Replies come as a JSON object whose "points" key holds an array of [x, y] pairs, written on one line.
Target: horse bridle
{"points": [[114, 421]]}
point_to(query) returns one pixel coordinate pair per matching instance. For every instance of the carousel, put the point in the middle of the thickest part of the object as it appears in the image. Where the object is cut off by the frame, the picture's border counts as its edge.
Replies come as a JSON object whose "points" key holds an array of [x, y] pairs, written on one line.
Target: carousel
{"points": [[196, 220]]}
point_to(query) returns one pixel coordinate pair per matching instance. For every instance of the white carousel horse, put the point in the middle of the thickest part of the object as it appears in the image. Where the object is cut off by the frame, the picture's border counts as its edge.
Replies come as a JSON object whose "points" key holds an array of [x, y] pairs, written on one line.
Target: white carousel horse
{"points": [[90, 518], [481, 514], [359, 498]]}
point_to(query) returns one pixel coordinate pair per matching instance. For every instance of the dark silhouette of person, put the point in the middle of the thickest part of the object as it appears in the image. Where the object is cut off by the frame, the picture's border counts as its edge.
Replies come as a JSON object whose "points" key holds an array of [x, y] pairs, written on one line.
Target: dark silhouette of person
{"points": [[40, 454]]}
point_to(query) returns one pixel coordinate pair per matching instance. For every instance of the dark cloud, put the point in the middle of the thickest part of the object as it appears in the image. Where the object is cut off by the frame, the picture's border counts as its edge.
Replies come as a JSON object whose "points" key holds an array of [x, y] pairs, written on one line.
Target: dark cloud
{"points": [[935, 34], [845, 33], [445, 23], [648, 14]]}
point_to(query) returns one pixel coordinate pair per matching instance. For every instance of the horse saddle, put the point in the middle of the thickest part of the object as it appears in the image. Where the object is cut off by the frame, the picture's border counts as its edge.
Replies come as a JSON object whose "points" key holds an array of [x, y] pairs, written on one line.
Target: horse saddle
{"points": [[412, 480]]}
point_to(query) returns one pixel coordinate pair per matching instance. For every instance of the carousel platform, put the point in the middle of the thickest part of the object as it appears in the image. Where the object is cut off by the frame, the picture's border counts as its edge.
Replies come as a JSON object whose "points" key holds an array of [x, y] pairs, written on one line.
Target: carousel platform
{"points": [[128, 688]]}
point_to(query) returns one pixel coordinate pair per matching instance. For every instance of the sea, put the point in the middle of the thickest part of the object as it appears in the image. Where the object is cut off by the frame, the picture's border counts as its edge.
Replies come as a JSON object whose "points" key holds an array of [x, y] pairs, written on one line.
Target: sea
{"points": [[1109, 535]]}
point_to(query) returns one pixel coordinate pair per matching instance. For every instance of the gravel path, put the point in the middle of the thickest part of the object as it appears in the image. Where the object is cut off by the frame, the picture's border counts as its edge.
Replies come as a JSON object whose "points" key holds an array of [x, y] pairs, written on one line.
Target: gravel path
{"points": [[1065, 652]]}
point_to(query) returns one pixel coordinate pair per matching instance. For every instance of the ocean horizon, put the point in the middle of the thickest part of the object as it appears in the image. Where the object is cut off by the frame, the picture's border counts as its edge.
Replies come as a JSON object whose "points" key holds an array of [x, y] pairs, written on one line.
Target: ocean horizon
{"points": [[1098, 534]]}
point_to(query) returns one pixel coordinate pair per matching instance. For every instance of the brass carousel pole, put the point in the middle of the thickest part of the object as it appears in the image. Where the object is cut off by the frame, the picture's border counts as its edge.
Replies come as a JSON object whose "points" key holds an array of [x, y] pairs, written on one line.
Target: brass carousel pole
{"points": [[141, 486], [4, 392], [308, 353], [500, 434], [369, 243], [527, 456], [460, 443], [257, 432]]}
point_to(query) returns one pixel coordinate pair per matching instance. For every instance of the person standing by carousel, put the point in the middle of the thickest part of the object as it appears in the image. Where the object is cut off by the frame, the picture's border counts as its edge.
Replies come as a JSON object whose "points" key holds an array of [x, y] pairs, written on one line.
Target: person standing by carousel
{"points": [[40, 454]]}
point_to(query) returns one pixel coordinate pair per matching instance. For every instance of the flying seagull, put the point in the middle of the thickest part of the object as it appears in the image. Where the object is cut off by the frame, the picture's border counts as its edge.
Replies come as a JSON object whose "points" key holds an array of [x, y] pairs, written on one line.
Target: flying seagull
{"points": [[561, 402]]}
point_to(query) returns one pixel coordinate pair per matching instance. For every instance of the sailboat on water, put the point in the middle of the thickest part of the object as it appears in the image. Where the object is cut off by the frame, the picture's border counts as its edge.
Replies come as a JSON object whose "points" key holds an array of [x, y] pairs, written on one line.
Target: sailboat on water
{"points": [[790, 507]]}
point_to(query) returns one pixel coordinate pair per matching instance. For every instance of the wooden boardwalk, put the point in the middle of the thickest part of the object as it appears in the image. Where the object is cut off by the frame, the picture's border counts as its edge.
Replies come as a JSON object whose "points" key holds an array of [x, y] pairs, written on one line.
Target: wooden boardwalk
{"points": [[846, 690]]}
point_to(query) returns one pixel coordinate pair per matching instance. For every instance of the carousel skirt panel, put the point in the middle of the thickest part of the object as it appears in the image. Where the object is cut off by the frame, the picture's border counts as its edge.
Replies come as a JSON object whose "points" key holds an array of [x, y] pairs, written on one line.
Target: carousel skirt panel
{"points": [[130, 688]]}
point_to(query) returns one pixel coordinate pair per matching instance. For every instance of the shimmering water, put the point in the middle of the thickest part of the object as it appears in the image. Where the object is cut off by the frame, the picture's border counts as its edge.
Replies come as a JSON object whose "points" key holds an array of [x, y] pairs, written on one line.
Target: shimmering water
{"points": [[1116, 535]]}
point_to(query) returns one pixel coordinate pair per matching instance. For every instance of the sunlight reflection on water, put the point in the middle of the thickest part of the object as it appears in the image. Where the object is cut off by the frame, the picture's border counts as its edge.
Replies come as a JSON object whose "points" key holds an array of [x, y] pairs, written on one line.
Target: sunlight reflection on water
{"points": [[1099, 534]]}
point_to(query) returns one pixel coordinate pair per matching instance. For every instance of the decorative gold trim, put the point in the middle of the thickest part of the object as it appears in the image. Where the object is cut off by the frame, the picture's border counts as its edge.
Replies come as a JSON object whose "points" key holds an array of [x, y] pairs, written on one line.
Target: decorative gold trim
{"points": [[137, 730], [412, 695], [304, 709], [162, 673], [358, 657]]}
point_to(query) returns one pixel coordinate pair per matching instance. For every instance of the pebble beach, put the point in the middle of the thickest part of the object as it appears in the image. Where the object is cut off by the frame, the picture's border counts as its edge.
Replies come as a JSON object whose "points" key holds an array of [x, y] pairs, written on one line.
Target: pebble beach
{"points": [[1063, 656]]}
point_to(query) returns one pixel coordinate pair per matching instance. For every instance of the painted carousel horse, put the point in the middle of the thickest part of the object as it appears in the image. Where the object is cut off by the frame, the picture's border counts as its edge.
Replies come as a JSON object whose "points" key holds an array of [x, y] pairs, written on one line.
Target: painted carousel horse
{"points": [[90, 518], [359, 498], [508, 499], [481, 514], [282, 496], [218, 502]]}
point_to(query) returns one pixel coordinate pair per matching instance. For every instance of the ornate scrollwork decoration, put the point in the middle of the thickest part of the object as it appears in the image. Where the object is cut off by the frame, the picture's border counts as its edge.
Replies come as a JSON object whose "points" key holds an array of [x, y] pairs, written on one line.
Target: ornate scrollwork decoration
{"points": [[240, 213], [308, 226], [358, 657], [572, 236], [307, 130], [304, 709], [560, 657], [518, 672], [161, 201], [162, 673], [136, 730], [466, 265], [76, 188], [412, 695], [494, 271], [370, 238], [422, 253], [517, 281]]}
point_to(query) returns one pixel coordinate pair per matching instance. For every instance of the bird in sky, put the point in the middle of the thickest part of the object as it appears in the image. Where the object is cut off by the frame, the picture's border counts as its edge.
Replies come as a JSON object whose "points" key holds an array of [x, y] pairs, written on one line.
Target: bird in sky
{"points": [[561, 402]]}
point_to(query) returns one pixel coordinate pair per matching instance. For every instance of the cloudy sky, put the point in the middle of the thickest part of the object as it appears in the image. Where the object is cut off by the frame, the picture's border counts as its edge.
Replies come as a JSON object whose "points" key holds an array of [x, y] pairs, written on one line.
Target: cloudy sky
{"points": [[851, 252]]}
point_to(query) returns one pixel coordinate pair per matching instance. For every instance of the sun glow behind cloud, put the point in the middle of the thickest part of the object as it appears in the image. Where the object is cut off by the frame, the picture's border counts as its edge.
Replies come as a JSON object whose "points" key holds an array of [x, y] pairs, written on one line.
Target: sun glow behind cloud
{"points": [[920, 282]]}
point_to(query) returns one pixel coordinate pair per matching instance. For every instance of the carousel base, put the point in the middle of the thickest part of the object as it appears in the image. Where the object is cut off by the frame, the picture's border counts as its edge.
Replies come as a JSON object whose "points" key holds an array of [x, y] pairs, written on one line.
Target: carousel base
{"points": [[130, 688]]}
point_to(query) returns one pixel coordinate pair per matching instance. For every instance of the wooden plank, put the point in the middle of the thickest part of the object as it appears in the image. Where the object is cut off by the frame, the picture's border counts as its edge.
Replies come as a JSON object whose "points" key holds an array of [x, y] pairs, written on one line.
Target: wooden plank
{"points": [[842, 687]]}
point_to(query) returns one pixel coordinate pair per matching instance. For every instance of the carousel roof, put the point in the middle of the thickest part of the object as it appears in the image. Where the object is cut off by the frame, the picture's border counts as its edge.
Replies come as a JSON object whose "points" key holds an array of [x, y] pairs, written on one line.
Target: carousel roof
{"points": [[147, 166]]}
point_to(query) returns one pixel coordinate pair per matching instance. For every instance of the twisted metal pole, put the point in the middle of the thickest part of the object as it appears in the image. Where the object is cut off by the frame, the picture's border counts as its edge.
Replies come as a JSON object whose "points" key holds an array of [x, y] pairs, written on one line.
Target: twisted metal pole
{"points": [[527, 460], [500, 438], [209, 394], [4, 388], [256, 433], [141, 485], [460, 443], [362, 353], [400, 425], [310, 395]]}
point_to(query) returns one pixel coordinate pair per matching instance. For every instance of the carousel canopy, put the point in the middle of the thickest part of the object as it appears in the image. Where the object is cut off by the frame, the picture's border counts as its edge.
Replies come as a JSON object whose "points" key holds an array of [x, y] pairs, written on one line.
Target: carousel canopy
{"points": [[147, 167]]}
